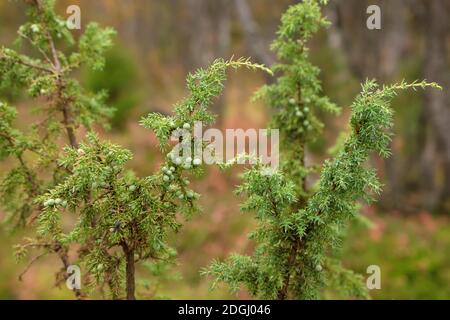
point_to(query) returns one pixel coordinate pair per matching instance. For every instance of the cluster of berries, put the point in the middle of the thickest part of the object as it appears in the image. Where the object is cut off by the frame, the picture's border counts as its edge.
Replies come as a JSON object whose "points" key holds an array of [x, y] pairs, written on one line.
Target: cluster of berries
{"points": [[168, 177], [55, 202], [187, 162], [302, 114]]}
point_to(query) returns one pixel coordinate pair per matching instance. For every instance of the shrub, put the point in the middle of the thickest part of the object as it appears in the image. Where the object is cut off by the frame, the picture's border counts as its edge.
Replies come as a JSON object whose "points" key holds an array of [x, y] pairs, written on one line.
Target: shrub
{"points": [[300, 228], [119, 219]]}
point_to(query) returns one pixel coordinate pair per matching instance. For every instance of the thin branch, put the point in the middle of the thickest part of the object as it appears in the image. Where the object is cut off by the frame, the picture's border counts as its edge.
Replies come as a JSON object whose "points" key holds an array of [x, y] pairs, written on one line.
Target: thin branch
{"points": [[44, 54], [31, 179], [61, 103], [30, 264], [34, 66], [282, 294]]}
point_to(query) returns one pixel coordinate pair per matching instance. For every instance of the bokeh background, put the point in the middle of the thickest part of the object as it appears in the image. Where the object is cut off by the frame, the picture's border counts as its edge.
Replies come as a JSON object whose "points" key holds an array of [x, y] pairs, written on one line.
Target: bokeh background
{"points": [[159, 42]]}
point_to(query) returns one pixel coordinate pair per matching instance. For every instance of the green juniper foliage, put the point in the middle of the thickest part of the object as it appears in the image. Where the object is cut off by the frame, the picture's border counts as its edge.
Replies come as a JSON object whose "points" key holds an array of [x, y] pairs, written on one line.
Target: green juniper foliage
{"points": [[300, 229], [82, 198], [117, 210], [62, 105]]}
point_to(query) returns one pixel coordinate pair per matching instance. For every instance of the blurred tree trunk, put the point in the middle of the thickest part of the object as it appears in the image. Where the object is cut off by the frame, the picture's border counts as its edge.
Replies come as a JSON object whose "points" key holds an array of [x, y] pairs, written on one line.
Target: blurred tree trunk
{"points": [[222, 14], [200, 37], [258, 46], [209, 36], [436, 68], [373, 54], [377, 53], [427, 158]]}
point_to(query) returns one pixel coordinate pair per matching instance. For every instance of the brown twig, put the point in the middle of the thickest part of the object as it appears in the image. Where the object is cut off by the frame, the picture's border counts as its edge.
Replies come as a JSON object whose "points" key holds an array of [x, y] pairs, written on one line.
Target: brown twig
{"points": [[34, 66], [130, 271], [61, 103], [30, 264]]}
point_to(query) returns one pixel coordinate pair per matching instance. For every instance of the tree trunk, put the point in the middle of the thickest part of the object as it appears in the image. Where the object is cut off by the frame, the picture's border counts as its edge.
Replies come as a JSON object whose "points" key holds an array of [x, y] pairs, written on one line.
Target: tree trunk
{"points": [[436, 68], [428, 161], [374, 54], [130, 271], [259, 48], [200, 33], [209, 36]]}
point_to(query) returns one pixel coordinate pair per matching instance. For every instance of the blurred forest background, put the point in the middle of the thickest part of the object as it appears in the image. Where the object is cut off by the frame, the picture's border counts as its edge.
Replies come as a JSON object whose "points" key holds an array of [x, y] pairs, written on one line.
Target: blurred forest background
{"points": [[160, 41]]}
